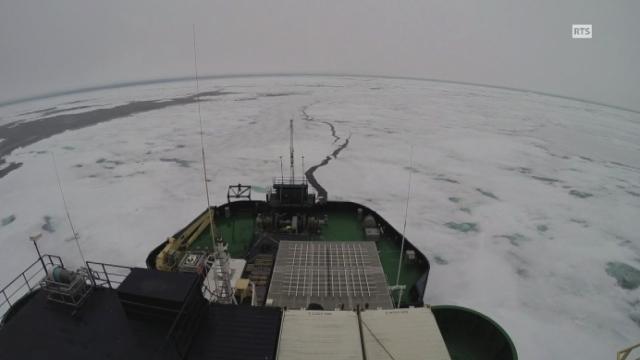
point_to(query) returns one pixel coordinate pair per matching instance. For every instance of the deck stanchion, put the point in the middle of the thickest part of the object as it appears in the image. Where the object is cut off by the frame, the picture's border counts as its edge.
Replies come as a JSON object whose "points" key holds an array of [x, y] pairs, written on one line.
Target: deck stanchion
{"points": [[6, 298], [106, 275], [26, 281]]}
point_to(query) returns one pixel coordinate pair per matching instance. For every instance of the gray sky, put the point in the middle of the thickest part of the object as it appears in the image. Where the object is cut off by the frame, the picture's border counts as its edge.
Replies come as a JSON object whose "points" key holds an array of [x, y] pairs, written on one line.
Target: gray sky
{"points": [[48, 46]]}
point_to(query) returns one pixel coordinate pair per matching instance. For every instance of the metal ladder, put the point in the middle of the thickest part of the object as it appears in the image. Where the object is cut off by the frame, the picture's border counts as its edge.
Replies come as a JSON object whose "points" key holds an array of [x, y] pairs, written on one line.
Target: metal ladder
{"points": [[222, 278]]}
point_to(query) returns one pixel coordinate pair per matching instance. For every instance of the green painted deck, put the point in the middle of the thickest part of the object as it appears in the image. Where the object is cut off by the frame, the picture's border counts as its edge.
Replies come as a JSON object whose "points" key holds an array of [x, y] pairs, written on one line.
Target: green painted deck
{"points": [[236, 231], [342, 226], [389, 254]]}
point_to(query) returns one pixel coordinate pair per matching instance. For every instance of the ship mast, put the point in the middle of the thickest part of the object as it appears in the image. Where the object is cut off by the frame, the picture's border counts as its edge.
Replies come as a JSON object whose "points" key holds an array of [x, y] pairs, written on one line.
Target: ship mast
{"points": [[220, 262], [291, 151], [281, 171]]}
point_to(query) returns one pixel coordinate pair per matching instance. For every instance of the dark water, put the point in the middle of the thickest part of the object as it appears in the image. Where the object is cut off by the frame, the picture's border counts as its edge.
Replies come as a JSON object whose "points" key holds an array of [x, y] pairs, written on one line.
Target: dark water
{"points": [[21, 134]]}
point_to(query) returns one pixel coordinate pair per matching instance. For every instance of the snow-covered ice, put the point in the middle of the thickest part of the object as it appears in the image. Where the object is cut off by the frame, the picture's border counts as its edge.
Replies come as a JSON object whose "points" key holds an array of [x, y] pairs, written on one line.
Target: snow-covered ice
{"points": [[526, 205]]}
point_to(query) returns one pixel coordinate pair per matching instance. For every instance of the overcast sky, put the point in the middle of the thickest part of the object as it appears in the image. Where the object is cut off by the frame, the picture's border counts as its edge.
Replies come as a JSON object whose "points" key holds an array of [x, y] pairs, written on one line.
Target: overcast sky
{"points": [[48, 46]]}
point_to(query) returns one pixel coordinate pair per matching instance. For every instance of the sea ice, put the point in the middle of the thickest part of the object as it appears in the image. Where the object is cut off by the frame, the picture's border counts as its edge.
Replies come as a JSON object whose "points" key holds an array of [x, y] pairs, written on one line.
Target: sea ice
{"points": [[539, 155]]}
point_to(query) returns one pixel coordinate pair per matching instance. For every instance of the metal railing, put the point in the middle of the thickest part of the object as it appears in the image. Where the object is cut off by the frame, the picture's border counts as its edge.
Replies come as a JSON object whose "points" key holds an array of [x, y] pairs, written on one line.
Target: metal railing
{"points": [[624, 354], [181, 332], [27, 281], [239, 192], [107, 275], [289, 180]]}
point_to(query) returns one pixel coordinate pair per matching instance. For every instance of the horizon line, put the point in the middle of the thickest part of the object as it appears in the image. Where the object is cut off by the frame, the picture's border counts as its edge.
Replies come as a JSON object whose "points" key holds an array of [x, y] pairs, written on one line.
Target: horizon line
{"points": [[123, 84]]}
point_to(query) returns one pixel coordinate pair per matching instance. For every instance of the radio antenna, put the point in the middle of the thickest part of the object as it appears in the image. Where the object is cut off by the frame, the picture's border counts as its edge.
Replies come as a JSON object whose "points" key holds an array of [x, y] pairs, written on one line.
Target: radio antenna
{"points": [[291, 150], [281, 171], [66, 209], [204, 162], [404, 226], [222, 293]]}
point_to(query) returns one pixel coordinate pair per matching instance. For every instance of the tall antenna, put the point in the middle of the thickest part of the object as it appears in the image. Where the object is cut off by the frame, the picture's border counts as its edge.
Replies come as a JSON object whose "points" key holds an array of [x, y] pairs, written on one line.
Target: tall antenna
{"points": [[291, 150], [302, 165], [219, 251], [204, 163], [281, 170], [404, 226], [66, 209]]}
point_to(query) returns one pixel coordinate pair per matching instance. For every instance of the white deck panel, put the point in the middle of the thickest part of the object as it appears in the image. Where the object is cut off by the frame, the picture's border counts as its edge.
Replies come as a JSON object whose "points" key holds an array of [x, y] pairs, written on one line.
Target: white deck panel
{"points": [[319, 335], [402, 334]]}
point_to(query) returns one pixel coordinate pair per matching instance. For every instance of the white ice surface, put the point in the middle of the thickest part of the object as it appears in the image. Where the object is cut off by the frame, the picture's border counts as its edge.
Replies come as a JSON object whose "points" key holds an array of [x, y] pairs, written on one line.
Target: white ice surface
{"points": [[548, 289]]}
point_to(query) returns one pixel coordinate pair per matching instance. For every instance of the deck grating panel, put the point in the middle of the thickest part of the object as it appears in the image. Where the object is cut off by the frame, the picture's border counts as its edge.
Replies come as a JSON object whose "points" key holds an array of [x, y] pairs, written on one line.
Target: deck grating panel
{"points": [[332, 274]]}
